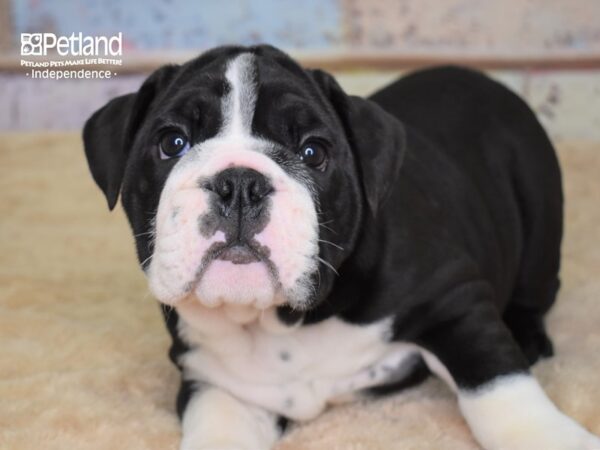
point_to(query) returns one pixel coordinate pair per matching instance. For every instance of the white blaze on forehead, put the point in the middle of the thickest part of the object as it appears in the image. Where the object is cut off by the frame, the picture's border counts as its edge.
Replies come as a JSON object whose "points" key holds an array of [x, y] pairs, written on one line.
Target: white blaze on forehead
{"points": [[238, 105]]}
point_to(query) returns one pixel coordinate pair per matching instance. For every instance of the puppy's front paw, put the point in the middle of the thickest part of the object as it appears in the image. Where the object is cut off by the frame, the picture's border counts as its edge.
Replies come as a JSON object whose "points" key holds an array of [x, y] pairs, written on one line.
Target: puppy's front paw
{"points": [[215, 420]]}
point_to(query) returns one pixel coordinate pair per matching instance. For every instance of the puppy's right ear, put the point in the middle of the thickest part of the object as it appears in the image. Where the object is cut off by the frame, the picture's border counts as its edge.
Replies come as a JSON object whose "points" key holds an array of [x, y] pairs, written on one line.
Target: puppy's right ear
{"points": [[377, 138], [110, 132]]}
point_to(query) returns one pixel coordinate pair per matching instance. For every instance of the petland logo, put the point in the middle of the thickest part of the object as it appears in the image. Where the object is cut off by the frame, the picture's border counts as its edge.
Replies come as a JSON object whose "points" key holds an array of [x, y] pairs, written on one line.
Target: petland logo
{"points": [[39, 44], [61, 54]]}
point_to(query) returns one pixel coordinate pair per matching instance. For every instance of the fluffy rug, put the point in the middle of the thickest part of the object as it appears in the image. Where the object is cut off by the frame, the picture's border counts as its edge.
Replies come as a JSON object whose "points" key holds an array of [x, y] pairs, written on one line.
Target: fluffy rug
{"points": [[83, 355]]}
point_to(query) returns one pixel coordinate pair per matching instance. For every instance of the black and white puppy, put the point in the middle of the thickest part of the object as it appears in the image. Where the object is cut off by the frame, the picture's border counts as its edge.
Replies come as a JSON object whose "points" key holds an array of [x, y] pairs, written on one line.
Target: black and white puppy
{"points": [[308, 246]]}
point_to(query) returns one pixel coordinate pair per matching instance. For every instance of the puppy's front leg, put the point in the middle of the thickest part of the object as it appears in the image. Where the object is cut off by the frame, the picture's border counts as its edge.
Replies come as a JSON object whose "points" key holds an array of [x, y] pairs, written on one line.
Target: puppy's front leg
{"points": [[215, 420], [505, 407]]}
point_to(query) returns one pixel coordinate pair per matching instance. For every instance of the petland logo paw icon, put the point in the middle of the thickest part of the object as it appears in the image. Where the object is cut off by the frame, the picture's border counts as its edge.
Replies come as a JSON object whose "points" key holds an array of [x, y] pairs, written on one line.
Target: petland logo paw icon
{"points": [[31, 44]]}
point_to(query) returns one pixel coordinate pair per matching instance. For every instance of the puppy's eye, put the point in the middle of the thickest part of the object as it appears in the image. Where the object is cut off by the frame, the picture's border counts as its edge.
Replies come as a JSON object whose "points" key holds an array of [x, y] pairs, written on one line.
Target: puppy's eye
{"points": [[173, 144], [313, 154]]}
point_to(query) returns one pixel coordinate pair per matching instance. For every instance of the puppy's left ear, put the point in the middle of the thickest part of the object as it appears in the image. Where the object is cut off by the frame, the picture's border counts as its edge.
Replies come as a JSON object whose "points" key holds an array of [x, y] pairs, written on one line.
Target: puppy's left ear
{"points": [[110, 132], [377, 138]]}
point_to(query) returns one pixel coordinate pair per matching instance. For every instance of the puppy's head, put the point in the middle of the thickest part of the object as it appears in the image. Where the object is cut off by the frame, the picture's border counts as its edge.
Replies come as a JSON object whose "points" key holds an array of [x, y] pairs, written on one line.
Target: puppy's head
{"points": [[245, 177]]}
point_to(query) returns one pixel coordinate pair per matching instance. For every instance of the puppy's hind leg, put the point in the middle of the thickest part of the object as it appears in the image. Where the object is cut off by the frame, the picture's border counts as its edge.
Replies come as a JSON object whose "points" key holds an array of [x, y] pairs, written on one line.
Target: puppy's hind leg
{"points": [[528, 330], [537, 280], [538, 190], [471, 348]]}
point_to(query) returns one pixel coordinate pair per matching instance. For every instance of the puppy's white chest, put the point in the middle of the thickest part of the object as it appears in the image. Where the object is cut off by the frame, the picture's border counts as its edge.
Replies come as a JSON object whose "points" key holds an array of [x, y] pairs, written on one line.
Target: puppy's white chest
{"points": [[294, 372]]}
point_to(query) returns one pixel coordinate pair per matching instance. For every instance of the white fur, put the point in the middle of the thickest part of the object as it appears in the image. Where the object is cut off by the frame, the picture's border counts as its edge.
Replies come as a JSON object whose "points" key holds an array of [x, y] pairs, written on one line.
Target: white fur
{"points": [[214, 420], [294, 373], [291, 233], [330, 361], [238, 106], [514, 413]]}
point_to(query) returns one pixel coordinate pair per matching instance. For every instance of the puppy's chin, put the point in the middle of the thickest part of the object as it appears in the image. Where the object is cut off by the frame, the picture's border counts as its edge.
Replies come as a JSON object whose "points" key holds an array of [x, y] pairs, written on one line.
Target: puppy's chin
{"points": [[225, 282]]}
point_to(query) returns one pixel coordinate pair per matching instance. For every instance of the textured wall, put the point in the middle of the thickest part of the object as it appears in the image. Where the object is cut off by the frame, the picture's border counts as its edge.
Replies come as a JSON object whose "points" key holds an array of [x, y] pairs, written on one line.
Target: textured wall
{"points": [[480, 26], [6, 33], [189, 24], [567, 102], [406, 26]]}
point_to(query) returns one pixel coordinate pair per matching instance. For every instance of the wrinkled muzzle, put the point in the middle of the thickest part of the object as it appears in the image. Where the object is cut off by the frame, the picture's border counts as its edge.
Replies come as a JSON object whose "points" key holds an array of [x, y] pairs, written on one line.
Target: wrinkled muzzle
{"points": [[234, 228]]}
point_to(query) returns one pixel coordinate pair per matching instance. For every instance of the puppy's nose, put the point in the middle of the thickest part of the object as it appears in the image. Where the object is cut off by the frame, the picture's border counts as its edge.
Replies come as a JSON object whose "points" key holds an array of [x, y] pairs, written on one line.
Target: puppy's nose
{"points": [[240, 189]]}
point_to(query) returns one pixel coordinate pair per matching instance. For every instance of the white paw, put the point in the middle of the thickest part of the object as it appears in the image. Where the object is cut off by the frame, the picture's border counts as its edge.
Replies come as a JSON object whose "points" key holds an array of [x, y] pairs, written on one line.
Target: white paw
{"points": [[214, 420], [549, 431], [513, 413]]}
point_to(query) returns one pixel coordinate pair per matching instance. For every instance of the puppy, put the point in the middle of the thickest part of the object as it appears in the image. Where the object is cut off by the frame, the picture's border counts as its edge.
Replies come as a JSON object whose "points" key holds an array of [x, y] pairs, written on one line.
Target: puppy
{"points": [[308, 247]]}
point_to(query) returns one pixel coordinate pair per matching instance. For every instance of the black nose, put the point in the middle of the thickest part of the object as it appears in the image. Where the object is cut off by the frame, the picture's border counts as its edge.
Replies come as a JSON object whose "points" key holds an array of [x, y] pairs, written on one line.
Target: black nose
{"points": [[240, 190]]}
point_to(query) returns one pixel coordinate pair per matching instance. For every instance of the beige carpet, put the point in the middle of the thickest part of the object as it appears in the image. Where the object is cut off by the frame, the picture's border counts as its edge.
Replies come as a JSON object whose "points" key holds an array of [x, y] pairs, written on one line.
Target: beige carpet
{"points": [[83, 361]]}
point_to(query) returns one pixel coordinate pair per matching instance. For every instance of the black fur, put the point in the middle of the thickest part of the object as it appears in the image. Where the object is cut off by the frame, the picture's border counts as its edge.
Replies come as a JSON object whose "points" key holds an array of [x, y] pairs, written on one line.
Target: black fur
{"points": [[443, 190]]}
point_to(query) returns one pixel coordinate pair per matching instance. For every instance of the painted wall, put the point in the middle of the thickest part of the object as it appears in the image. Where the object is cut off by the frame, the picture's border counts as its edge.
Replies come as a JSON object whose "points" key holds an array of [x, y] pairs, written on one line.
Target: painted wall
{"points": [[567, 102], [191, 24], [504, 27], [405, 26]]}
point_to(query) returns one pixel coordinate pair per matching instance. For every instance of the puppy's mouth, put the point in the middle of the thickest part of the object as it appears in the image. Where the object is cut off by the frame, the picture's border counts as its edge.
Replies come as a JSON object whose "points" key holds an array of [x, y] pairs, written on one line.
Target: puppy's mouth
{"points": [[238, 252], [238, 272]]}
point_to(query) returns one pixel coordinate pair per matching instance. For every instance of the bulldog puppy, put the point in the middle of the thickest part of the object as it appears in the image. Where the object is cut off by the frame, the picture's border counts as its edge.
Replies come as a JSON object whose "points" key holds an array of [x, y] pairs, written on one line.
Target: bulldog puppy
{"points": [[309, 247]]}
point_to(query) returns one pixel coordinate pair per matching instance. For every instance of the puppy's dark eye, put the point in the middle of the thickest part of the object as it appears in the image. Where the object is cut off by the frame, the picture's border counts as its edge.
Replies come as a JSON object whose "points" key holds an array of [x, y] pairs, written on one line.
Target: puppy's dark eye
{"points": [[313, 154], [173, 144]]}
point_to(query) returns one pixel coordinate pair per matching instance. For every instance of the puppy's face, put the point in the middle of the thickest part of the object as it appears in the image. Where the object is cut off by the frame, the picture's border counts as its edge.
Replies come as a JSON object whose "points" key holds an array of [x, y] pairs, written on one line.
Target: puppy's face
{"points": [[238, 179], [248, 158]]}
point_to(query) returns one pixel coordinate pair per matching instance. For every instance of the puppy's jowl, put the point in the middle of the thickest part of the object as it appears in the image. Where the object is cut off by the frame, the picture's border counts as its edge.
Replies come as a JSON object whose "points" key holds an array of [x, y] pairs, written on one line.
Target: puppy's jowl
{"points": [[311, 247]]}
